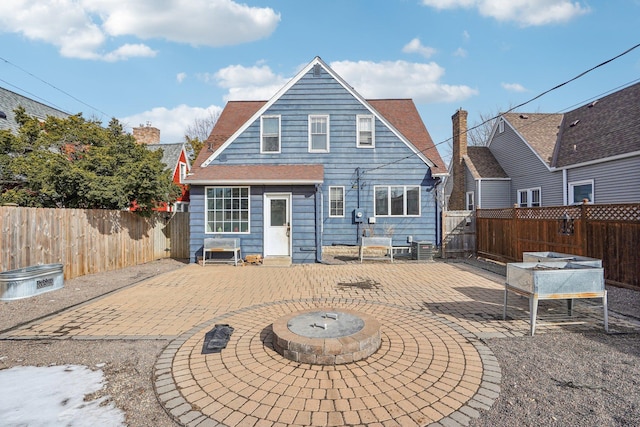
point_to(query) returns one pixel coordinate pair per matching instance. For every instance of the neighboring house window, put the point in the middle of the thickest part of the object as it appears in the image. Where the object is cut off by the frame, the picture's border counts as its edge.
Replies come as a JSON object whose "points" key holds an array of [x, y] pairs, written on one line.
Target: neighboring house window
{"points": [[397, 200], [366, 131], [270, 134], [227, 209], [183, 172], [319, 133], [470, 201], [529, 198], [181, 207], [500, 126], [336, 201], [580, 190]]}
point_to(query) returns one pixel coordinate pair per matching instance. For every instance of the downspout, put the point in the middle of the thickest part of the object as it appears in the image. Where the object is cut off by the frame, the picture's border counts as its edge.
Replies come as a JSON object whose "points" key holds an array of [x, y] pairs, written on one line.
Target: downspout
{"points": [[565, 197], [438, 211], [318, 227]]}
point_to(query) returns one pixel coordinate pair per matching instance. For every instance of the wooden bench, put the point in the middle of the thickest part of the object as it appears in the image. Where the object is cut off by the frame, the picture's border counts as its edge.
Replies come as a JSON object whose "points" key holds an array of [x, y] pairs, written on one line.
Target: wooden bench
{"points": [[376, 245], [221, 244]]}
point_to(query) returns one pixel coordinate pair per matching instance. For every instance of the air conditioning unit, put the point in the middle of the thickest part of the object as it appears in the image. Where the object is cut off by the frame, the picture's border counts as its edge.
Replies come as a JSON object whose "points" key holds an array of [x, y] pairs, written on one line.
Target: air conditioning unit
{"points": [[422, 251]]}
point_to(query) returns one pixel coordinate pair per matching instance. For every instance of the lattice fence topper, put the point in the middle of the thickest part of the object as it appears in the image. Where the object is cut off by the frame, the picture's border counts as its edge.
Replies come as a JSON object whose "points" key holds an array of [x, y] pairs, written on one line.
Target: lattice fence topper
{"points": [[618, 212], [629, 212], [552, 213], [506, 213]]}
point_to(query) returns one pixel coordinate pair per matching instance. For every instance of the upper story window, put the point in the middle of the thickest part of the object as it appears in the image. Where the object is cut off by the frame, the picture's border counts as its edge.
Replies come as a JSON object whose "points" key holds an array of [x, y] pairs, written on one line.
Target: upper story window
{"points": [[580, 191], [529, 198], [227, 210], [270, 134], [401, 200], [319, 134], [183, 171], [366, 131], [336, 201], [500, 125]]}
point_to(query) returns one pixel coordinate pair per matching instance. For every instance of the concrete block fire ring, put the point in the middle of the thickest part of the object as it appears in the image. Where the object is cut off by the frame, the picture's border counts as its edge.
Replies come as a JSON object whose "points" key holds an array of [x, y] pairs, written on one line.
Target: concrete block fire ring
{"points": [[326, 336]]}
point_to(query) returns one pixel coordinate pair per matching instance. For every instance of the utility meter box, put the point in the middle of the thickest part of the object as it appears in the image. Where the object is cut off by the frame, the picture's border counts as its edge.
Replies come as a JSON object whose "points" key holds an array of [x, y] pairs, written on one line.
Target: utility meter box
{"points": [[358, 215]]}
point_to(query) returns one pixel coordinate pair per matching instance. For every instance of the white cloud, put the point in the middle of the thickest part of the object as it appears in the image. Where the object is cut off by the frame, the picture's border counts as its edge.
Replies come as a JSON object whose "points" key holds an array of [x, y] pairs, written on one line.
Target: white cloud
{"points": [[465, 35], [401, 79], [247, 83], [513, 87], [462, 53], [129, 51], [523, 12], [82, 28], [180, 77], [415, 46], [172, 123]]}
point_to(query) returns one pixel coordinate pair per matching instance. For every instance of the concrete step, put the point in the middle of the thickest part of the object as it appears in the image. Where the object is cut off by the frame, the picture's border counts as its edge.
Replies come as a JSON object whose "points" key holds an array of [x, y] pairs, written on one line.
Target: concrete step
{"points": [[277, 261]]}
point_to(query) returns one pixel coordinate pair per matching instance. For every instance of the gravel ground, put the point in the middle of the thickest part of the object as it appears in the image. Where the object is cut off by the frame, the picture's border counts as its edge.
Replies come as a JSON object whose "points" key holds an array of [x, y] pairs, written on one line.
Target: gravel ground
{"points": [[554, 379]]}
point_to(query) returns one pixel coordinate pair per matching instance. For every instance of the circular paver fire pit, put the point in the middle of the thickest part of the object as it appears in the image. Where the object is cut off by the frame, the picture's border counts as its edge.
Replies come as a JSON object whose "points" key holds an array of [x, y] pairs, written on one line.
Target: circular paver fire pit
{"points": [[326, 337]]}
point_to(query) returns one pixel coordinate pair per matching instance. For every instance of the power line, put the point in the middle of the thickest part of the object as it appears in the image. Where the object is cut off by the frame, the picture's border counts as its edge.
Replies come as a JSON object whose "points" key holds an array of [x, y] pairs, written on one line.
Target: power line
{"points": [[55, 87], [513, 108]]}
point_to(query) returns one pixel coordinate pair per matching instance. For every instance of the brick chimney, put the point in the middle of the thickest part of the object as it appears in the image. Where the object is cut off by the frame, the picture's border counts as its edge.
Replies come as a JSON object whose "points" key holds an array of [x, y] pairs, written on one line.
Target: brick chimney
{"points": [[146, 134], [458, 193]]}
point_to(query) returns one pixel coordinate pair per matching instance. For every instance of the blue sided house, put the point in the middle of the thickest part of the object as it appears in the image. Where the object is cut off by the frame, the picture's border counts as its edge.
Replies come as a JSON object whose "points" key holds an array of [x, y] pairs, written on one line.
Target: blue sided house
{"points": [[316, 166]]}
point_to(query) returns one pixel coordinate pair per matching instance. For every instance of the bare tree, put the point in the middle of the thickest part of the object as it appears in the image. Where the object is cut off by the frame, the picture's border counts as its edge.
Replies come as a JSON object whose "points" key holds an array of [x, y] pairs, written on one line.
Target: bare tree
{"points": [[478, 134], [198, 132]]}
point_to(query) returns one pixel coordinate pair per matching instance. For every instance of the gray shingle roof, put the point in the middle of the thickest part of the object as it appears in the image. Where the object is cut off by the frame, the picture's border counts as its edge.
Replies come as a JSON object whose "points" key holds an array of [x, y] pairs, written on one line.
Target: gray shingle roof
{"points": [[483, 164], [9, 101], [170, 153], [539, 130], [605, 128]]}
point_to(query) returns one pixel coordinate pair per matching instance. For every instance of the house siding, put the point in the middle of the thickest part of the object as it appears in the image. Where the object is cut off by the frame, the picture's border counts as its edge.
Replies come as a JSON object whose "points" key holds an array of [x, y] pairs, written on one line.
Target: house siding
{"points": [[525, 168], [358, 170], [302, 222], [616, 181], [495, 193]]}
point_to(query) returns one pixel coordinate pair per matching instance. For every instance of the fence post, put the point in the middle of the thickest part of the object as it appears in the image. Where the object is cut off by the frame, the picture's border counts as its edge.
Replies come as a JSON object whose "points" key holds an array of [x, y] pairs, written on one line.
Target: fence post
{"points": [[584, 241]]}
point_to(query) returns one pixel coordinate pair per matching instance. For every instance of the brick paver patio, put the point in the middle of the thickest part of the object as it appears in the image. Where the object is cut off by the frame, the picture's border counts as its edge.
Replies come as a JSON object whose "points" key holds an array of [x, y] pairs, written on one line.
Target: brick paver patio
{"points": [[432, 367]]}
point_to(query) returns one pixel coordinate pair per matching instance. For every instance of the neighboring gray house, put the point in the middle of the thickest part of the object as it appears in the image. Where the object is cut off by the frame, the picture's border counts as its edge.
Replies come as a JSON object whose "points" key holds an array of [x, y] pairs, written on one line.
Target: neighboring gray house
{"points": [[315, 166], [9, 101], [591, 152]]}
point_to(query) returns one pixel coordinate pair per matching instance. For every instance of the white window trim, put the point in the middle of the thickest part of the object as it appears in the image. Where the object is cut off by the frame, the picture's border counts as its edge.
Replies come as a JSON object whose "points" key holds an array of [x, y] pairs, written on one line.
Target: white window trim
{"points": [[373, 131], [311, 149], [182, 171], [262, 151], [500, 125], [529, 193], [404, 207], [574, 184], [343, 201], [181, 207], [470, 195], [206, 208]]}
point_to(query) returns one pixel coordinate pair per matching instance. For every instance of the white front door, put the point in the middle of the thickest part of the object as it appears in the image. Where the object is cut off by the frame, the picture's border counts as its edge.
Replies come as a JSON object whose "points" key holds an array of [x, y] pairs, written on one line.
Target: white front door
{"points": [[277, 224]]}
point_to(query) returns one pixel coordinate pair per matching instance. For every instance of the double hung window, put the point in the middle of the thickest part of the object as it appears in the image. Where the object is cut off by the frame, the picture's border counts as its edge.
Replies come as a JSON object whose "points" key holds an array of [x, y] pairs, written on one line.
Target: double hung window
{"points": [[336, 201], [529, 198], [319, 134], [401, 200], [270, 134], [366, 131]]}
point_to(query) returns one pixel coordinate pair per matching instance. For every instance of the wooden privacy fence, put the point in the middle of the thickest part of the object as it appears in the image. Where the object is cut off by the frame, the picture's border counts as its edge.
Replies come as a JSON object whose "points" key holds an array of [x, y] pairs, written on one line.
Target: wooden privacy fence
{"points": [[607, 232], [89, 241]]}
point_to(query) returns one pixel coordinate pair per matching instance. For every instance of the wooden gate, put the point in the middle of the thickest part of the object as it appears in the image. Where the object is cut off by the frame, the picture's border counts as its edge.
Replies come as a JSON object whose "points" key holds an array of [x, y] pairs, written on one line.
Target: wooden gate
{"points": [[458, 234]]}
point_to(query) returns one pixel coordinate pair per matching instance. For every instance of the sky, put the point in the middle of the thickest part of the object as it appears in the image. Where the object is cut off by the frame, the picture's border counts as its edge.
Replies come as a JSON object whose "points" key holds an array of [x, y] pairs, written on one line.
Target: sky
{"points": [[172, 62]]}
